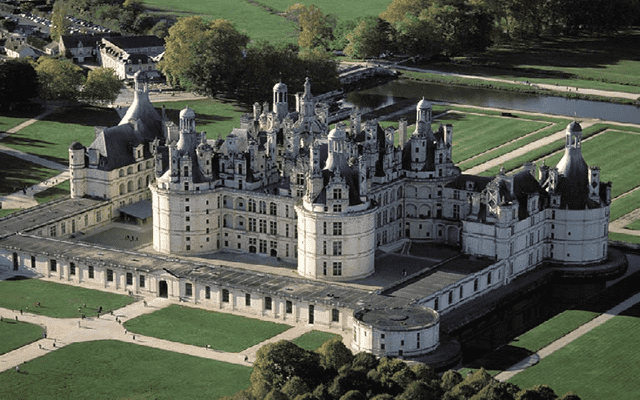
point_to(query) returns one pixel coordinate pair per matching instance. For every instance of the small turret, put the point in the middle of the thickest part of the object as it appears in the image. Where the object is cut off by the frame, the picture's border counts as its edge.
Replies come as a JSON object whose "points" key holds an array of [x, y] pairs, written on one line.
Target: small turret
{"points": [[280, 101]]}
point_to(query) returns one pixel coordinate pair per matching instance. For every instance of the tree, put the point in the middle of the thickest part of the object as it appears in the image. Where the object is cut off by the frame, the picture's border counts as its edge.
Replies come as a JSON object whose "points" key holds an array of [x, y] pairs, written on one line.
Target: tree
{"points": [[18, 82], [398, 9], [418, 390], [538, 392], [276, 363], [59, 79], [372, 37], [59, 20], [353, 395], [295, 387], [102, 86], [450, 379], [204, 56], [497, 391], [424, 372], [365, 361], [316, 29], [334, 354]]}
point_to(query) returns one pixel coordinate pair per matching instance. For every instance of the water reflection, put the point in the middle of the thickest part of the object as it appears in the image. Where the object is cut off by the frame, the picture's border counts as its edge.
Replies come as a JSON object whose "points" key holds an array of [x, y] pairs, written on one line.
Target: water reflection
{"points": [[395, 91]]}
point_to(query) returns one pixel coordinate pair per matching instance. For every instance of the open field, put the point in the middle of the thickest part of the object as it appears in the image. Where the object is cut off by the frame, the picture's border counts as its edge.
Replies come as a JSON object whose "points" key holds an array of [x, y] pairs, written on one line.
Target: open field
{"points": [[603, 62], [624, 238], [601, 364], [116, 370], [624, 205], [226, 332], [314, 339], [249, 18], [16, 334], [57, 300], [6, 211], [56, 192], [344, 11], [212, 116], [16, 173], [50, 138], [8, 122]]}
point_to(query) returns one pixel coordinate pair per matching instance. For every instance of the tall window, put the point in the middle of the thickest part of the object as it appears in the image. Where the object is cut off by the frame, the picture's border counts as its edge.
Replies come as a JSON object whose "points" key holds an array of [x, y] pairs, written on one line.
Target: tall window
{"points": [[129, 278], [188, 289], [335, 315], [72, 269], [456, 211], [267, 303], [337, 268], [273, 227], [337, 248], [90, 272], [247, 299], [225, 296], [263, 226], [273, 209], [207, 292], [252, 224], [141, 280], [289, 307], [337, 228], [109, 275], [337, 194]]}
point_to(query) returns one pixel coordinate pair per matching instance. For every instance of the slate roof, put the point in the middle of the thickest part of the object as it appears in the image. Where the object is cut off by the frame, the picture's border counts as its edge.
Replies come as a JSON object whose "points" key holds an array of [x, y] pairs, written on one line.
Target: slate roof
{"points": [[134, 42]]}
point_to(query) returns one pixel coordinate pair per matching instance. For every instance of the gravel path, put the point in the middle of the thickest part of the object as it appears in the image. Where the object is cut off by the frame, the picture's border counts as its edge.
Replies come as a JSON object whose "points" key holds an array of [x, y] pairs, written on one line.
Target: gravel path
{"points": [[565, 340]]}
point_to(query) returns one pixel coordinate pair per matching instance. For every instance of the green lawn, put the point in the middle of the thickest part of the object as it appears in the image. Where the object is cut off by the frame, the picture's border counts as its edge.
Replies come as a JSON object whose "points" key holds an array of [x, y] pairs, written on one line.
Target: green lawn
{"points": [[553, 329], [474, 134], [212, 116], [6, 211], [602, 364], [198, 327], [314, 339], [624, 205], [57, 300], [56, 192], [16, 334], [635, 225], [50, 138], [490, 155], [624, 238], [116, 370], [15, 173], [7, 122], [344, 11], [615, 152], [251, 19]]}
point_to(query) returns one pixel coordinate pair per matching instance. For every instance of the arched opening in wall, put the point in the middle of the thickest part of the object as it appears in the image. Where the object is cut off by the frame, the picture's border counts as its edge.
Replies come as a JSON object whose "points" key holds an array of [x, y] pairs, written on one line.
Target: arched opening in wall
{"points": [[15, 261], [122, 188], [252, 249], [130, 186], [274, 253], [139, 183], [163, 289], [453, 235]]}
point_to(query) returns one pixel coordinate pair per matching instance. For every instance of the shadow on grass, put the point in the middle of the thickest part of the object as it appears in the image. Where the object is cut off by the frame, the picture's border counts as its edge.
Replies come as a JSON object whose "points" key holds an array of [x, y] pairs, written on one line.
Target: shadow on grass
{"points": [[16, 173], [501, 359], [86, 115]]}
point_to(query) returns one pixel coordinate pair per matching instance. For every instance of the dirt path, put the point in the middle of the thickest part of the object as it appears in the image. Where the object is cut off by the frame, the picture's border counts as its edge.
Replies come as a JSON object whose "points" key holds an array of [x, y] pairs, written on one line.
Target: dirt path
{"points": [[565, 340]]}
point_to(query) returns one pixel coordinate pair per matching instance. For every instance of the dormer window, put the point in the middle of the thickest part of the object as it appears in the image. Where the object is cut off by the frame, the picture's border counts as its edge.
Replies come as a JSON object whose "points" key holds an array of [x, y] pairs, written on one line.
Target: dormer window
{"points": [[337, 194]]}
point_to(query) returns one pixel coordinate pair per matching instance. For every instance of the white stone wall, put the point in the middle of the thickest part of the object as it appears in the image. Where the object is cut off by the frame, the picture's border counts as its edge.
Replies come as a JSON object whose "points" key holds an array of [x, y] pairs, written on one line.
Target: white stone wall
{"points": [[357, 241], [578, 236], [391, 343]]}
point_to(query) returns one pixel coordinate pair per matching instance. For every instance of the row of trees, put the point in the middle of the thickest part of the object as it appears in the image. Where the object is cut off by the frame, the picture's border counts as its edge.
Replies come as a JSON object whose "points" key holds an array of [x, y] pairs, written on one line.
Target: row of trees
{"points": [[212, 57], [284, 371], [55, 79], [450, 27]]}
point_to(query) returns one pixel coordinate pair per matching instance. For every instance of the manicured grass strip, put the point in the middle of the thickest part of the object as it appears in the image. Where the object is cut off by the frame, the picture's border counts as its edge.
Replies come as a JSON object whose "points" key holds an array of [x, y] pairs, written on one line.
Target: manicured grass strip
{"points": [[553, 329], [50, 138], [16, 334], [624, 205], [615, 152], [6, 211], [635, 225], [251, 19], [198, 327], [598, 365], [57, 300], [115, 370], [473, 134], [314, 339], [16, 173], [212, 116], [514, 145], [621, 237], [541, 152], [56, 192]]}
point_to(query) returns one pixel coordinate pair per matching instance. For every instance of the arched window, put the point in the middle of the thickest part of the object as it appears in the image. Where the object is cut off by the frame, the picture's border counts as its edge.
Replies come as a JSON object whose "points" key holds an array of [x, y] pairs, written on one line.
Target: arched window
{"points": [[122, 188], [130, 186], [139, 183]]}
